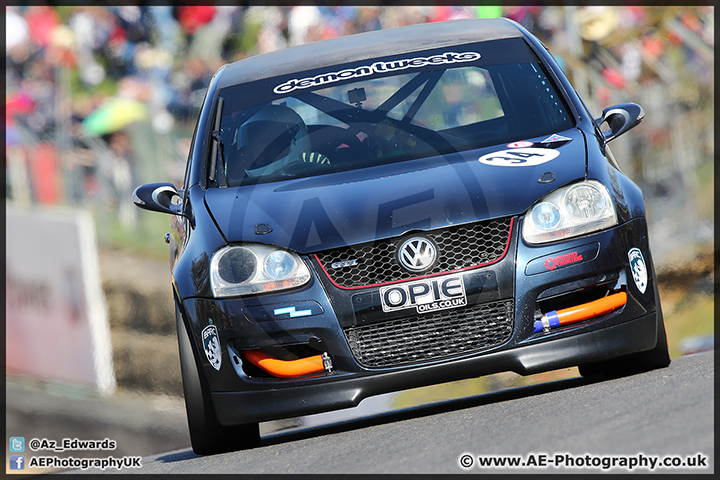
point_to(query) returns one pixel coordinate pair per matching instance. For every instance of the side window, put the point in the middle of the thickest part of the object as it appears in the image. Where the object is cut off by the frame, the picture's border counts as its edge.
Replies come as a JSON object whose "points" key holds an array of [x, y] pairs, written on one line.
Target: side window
{"points": [[186, 177]]}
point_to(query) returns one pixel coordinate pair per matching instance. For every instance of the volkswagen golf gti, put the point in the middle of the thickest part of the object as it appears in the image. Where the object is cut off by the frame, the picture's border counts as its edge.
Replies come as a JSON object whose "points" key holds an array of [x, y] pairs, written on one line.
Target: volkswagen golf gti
{"points": [[394, 209]]}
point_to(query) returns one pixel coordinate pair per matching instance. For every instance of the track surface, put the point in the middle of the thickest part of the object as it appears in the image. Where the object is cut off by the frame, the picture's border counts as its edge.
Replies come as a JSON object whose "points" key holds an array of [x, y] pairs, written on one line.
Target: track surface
{"points": [[656, 414]]}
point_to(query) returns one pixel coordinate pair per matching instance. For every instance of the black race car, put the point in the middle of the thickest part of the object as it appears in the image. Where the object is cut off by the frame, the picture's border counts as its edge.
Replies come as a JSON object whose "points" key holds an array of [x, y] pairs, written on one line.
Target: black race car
{"points": [[395, 209]]}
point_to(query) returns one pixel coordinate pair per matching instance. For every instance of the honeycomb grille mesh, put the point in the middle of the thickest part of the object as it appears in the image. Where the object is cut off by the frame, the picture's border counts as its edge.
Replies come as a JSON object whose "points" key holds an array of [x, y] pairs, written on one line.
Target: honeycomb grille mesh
{"points": [[432, 336], [459, 247]]}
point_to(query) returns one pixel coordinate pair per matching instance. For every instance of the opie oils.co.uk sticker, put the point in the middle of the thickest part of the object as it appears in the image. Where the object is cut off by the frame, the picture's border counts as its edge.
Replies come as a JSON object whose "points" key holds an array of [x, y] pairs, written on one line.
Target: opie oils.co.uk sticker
{"points": [[427, 295], [519, 157]]}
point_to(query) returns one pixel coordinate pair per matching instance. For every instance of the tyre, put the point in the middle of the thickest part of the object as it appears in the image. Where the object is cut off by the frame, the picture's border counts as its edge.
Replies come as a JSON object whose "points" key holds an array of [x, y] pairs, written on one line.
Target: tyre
{"points": [[657, 357], [207, 436]]}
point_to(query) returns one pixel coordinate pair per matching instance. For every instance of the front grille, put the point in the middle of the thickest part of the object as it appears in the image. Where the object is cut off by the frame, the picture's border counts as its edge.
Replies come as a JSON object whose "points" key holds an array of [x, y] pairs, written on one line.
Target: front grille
{"points": [[432, 336], [460, 246]]}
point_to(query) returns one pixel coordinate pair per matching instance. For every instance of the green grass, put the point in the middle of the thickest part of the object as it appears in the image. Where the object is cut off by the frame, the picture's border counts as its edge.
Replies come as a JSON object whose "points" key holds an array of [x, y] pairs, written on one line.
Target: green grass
{"points": [[693, 316], [444, 391], [705, 195], [476, 386], [145, 238]]}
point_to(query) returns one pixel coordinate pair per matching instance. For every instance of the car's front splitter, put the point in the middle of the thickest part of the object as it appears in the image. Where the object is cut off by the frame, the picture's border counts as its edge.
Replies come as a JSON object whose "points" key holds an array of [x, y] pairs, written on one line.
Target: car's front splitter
{"points": [[234, 408]]}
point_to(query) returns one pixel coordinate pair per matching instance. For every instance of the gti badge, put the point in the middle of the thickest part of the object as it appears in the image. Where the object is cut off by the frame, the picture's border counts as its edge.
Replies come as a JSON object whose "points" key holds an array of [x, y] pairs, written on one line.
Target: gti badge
{"points": [[417, 254], [211, 344], [344, 263], [638, 269]]}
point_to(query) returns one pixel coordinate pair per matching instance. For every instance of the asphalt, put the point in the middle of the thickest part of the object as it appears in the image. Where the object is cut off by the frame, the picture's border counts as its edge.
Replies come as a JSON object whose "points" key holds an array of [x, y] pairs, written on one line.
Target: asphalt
{"points": [[659, 414], [139, 424]]}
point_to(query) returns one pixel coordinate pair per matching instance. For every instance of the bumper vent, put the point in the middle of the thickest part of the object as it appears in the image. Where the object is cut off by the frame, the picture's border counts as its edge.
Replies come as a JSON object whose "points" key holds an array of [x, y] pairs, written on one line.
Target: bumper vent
{"points": [[459, 247], [433, 336]]}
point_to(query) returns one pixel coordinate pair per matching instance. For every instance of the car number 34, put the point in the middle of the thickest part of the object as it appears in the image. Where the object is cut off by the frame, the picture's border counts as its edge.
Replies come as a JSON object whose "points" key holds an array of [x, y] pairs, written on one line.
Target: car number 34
{"points": [[520, 157]]}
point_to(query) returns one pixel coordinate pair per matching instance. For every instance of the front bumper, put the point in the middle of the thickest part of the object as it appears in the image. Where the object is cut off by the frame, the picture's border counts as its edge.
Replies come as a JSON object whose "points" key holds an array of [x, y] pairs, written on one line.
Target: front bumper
{"points": [[532, 278], [269, 404]]}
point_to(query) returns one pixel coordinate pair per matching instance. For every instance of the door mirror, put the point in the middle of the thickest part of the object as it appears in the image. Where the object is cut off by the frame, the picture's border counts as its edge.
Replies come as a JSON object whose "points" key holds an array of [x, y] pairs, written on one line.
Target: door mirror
{"points": [[620, 118], [159, 197]]}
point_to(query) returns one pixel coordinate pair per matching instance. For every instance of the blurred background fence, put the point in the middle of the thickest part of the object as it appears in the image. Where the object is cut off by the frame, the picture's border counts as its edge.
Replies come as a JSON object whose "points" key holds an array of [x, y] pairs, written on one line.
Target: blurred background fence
{"points": [[102, 99]]}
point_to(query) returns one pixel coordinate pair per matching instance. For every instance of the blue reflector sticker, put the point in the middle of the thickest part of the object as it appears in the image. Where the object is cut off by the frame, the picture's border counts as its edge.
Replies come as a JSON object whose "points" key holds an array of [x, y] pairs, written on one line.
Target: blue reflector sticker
{"points": [[292, 311]]}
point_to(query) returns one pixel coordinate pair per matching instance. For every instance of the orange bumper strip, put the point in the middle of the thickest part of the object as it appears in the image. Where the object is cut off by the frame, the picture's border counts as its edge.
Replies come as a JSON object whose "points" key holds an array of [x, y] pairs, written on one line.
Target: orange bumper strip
{"points": [[288, 368], [592, 309], [582, 312]]}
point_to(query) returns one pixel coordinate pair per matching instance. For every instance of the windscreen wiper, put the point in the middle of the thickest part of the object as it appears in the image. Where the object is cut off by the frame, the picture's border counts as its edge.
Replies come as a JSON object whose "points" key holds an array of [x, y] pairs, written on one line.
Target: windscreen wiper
{"points": [[217, 145]]}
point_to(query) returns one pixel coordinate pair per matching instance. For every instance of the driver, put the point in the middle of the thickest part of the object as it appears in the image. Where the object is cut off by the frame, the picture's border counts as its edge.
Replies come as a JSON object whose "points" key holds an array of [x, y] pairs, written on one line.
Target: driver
{"points": [[274, 137], [391, 142]]}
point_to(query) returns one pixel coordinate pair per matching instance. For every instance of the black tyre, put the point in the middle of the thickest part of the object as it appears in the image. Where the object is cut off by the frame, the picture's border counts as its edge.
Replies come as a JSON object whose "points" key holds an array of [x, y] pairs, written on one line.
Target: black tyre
{"points": [[207, 436], [657, 357]]}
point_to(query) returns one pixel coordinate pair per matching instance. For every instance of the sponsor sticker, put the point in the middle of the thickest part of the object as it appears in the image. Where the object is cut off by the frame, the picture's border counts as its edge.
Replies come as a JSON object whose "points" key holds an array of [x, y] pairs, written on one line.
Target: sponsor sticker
{"points": [[427, 295], [551, 263], [211, 345], [555, 138], [523, 144], [519, 157], [638, 269], [376, 68]]}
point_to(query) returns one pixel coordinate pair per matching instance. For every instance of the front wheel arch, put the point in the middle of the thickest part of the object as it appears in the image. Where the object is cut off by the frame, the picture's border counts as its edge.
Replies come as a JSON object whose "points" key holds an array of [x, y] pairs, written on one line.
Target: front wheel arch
{"points": [[657, 357], [207, 436]]}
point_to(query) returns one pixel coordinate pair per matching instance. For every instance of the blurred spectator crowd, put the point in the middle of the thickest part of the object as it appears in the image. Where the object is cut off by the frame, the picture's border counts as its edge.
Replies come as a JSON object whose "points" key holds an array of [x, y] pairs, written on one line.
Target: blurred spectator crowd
{"points": [[79, 77]]}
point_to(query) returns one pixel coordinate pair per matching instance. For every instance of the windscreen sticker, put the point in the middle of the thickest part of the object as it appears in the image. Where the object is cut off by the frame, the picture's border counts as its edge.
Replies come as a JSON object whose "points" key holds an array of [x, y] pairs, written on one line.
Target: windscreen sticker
{"points": [[555, 138], [638, 268], [377, 67], [523, 144], [553, 141], [519, 157]]}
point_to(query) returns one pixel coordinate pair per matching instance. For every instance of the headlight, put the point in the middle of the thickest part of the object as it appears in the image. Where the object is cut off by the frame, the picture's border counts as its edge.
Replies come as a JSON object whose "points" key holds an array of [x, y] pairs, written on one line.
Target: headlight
{"points": [[570, 211], [253, 269]]}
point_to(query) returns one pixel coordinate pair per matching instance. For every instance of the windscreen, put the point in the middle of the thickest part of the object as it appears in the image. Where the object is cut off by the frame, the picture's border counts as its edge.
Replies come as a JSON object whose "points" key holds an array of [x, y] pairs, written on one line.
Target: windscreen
{"points": [[379, 111]]}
